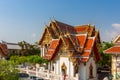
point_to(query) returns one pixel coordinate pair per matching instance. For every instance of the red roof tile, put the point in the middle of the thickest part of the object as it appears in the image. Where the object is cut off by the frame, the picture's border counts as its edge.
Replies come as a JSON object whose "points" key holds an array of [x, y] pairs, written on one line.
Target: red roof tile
{"points": [[113, 50], [80, 29], [89, 43], [81, 40], [52, 49], [53, 44]]}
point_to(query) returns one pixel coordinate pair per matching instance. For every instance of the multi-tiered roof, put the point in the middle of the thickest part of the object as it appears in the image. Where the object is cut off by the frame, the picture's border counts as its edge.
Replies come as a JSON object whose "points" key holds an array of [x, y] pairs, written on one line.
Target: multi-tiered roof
{"points": [[81, 41]]}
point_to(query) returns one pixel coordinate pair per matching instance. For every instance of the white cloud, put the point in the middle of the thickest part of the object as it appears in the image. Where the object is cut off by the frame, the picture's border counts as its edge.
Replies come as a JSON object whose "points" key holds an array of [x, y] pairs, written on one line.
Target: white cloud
{"points": [[111, 33], [33, 35], [116, 26]]}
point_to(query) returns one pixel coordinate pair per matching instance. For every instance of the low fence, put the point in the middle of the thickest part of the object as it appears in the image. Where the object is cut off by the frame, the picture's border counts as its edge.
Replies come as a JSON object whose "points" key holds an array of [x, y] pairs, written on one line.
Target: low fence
{"points": [[46, 74]]}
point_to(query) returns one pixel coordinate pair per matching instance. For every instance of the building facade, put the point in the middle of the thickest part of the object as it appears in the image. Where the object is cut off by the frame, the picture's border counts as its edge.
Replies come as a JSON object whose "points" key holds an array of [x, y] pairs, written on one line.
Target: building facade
{"points": [[71, 50], [13, 48]]}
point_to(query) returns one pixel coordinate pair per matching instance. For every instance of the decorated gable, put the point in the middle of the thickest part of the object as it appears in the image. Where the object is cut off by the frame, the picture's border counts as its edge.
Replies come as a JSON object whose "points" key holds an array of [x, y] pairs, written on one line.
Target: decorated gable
{"points": [[116, 41], [46, 37]]}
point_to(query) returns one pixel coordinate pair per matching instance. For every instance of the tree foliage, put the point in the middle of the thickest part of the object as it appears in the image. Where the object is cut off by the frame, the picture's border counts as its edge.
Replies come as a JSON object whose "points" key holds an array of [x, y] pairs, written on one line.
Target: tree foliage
{"points": [[28, 49], [29, 59], [15, 59], [8, 70], [36, 59], [106, 58]]}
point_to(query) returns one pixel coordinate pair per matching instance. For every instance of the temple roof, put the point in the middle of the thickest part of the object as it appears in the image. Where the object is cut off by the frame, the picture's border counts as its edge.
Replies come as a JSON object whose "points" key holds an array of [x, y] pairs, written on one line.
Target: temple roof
{"points": [[52, 50], [113, 50], [80, 39]]}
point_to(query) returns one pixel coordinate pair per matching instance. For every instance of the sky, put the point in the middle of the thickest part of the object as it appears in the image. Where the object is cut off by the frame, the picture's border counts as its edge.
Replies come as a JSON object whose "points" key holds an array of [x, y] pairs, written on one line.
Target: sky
{"points": [[25, 19]]}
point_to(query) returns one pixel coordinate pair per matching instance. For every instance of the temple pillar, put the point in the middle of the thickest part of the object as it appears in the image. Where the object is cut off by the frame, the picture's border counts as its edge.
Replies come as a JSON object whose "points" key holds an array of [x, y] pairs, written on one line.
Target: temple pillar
{"points": [[41, 49], [49, 66]]}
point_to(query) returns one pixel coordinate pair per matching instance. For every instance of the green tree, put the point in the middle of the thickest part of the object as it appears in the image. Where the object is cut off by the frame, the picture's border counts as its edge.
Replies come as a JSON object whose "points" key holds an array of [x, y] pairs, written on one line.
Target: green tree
{"points": [[28, 49], [15, 59], [106, 58], [28, 59], [8, 70], [36, 59]]}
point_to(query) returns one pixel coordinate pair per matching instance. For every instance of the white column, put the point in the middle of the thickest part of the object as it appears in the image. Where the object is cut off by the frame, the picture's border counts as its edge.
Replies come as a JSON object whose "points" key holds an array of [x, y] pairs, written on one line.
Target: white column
{"points": [[27, 70], [51, 66], [36, 71], [43, 51], [59, 67], [69, 70], [48, 74]]}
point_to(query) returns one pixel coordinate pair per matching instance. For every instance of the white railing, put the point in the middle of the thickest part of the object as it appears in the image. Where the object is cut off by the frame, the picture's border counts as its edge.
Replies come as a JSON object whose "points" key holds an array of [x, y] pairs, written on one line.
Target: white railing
{"points": [[46, 74]]}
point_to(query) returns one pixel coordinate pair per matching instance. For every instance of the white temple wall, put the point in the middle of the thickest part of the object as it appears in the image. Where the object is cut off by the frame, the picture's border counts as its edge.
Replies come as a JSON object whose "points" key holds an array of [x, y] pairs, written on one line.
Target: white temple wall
{"points": [[84, 70], [91, 61], [71, 69], [58, 66], [66, 61]]}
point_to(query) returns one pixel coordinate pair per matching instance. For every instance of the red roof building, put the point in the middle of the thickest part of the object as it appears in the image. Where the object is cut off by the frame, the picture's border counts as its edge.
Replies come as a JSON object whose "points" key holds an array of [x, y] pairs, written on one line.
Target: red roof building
{"points": [[3, 50], [115, 52], [78, 44]]}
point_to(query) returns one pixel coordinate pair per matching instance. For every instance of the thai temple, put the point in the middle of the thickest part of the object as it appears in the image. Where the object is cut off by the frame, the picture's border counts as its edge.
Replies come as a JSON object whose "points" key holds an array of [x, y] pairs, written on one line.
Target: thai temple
{"points": [[71, 50]]}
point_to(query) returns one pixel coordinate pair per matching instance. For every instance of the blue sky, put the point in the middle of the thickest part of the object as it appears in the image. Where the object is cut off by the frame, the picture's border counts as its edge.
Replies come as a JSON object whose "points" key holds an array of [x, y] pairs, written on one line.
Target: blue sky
{"points": [[25, 19]]}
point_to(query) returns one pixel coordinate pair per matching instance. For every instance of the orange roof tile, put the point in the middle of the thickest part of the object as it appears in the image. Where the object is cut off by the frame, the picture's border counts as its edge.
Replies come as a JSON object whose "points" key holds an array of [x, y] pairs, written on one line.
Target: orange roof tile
{"points": [[52, 49], [80, 29], [54, 44], [81, 40], [113, 50], [89, 43]]}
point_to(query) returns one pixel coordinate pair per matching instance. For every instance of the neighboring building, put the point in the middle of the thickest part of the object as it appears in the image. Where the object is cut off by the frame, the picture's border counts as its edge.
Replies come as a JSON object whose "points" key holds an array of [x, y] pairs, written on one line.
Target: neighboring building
{"points": [[115, 52], [71, 50], [3, 51], [13, 48]]}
